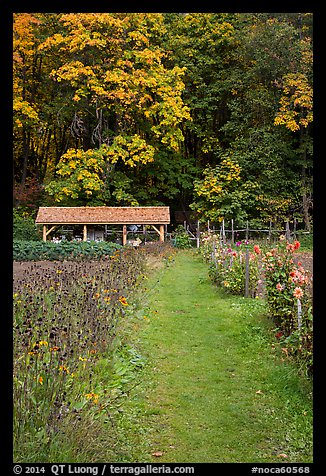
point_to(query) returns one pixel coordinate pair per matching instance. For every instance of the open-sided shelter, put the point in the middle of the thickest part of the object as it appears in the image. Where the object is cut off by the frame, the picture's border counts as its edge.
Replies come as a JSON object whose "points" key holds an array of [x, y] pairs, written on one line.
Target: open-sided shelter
{"points": [[157, 217]]}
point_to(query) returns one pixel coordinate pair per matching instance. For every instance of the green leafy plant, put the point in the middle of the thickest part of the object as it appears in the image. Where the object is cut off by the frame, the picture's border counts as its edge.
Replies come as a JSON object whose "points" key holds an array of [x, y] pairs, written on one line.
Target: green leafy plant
{"points": [[65, 250], [181, 237], [24, 227], [228, 265]]}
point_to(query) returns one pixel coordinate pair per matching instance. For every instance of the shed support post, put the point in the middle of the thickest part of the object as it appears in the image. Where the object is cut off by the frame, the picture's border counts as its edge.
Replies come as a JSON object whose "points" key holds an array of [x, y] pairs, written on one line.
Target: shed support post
{"points": [[44, 233], [162, 233], [85, 233], [124, 235]]}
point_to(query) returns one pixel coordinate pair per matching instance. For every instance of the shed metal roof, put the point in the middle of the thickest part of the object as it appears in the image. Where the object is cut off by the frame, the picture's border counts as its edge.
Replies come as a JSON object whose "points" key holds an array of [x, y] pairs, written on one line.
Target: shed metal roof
{"points": [[103, 215]]}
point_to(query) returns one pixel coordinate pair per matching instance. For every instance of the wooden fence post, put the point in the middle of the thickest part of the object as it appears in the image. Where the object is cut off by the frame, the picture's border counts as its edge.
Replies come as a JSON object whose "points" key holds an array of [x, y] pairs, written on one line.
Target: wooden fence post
{"points": [[198, 233], [287, 230], [232, 231], [299, 314], [270, 231], [247, 273], [223, 231], [214, 252]]}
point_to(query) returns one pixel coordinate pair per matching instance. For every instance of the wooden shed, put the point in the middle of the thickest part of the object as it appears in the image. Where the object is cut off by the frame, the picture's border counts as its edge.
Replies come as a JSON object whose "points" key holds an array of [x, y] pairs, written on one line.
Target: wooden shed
{"points": [[58, 216]]}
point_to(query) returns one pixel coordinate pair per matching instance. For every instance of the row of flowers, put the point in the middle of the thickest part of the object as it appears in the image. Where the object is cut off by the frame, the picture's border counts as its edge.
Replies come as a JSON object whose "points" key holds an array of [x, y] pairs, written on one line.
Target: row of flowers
{"points": [[66, 319], [274, 274], [228, 265]]}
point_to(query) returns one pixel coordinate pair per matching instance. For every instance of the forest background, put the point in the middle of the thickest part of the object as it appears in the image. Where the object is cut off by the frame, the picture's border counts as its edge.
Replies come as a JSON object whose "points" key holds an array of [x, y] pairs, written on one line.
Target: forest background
{"points": [[210, 112]]}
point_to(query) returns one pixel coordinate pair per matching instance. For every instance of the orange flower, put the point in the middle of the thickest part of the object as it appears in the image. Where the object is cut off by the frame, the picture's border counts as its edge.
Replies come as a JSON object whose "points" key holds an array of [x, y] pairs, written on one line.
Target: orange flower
{"points": [[54, 349], [40, 380], [257, 250], [64, 369], [296, 245], [92, 396], [290, 247], [123, 301], [298, 293]]}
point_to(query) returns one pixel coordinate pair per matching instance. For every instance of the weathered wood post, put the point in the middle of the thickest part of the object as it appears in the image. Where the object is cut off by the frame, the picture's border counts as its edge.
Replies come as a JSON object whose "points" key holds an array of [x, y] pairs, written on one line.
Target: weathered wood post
{"points": [[232, 231], [299, 314], [85, 233], [213, 254], [44, 233], [198, 234], [124, 235], [270, 231], [247, 262], [287, 230], [247, 273]]}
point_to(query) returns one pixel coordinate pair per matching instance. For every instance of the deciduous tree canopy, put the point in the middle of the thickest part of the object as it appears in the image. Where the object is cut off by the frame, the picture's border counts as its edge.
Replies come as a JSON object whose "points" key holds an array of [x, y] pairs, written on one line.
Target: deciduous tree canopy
{"points": [[208, 111]]}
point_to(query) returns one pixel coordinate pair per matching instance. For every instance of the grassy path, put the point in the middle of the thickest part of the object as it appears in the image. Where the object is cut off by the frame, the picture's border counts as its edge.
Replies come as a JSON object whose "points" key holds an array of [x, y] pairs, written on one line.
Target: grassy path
{"points": [[218, 391]]}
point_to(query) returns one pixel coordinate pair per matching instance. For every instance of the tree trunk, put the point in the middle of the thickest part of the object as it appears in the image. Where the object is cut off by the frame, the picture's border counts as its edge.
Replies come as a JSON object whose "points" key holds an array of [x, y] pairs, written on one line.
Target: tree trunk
{"points": [[25, 161], [305, 198], [305, 201]]}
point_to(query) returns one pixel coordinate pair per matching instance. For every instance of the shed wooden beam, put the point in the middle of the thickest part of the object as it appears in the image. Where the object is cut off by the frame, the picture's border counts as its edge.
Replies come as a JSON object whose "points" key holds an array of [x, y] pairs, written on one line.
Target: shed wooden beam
{"points": [[85, 233], [159, 231], [51, 229], [47, 232]]}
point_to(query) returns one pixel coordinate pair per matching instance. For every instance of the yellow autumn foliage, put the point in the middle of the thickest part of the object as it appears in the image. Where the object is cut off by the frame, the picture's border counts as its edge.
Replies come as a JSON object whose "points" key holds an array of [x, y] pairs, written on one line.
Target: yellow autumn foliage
{"points": [[296, 103]]}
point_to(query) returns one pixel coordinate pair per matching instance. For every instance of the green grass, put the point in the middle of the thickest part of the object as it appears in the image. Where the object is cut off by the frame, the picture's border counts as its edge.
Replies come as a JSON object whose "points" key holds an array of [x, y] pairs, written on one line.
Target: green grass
{"points": [[215, 387]]}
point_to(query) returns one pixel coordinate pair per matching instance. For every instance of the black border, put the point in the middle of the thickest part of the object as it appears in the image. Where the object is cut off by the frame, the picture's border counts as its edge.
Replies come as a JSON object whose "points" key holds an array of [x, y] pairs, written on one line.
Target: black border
{"points": [[6, 176]]}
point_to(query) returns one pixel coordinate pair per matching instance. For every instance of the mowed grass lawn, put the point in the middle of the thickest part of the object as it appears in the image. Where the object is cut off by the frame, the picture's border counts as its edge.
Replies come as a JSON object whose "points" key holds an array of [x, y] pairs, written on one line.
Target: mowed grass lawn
{"points": [[217, 388]]}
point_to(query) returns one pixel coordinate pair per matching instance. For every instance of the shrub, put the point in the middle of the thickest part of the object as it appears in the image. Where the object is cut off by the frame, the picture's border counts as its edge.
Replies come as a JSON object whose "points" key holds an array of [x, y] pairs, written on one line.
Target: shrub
{"points": [[228, 266], [24, 227], [288, 289], [182, 239]]}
